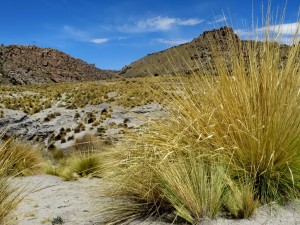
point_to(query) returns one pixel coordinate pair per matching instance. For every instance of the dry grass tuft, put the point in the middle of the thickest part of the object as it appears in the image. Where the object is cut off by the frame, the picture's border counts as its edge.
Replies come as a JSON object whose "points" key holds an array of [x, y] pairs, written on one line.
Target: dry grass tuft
{"points": [[78, 164], [24, 159], [240, 200], [87, 142], [193, 187], [85, 160], [10, 196], [236, 134]]}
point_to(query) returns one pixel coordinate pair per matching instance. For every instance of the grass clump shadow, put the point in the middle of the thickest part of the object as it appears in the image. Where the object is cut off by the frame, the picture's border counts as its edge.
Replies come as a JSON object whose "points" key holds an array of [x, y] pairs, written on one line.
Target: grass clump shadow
{"points": [[229, 142]]}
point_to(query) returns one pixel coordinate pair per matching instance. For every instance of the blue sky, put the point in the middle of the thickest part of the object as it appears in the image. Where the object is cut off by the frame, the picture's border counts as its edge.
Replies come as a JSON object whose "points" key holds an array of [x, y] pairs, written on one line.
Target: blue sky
{"points": [[114, 33]]}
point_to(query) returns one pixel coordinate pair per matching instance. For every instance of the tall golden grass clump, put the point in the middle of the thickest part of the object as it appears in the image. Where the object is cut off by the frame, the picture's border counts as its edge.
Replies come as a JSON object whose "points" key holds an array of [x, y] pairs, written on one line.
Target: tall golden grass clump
{"points": [[16, 159], [26, 159], [13, 162], [229, 142]]}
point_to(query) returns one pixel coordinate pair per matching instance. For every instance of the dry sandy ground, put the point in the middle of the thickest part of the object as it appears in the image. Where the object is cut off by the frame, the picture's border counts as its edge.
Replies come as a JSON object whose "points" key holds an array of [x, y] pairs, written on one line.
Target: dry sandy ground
{"points": [[75, 202], [50, 197]]}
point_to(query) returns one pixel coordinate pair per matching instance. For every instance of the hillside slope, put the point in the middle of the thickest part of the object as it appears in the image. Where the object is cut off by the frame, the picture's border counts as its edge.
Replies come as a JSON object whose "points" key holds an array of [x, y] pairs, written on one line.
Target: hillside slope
{"points": [[199, 54], [34, 65]]}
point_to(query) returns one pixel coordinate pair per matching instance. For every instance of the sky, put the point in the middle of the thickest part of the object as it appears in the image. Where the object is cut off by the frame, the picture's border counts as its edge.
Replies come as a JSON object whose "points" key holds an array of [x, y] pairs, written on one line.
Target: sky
{"points": [[113, 33]]}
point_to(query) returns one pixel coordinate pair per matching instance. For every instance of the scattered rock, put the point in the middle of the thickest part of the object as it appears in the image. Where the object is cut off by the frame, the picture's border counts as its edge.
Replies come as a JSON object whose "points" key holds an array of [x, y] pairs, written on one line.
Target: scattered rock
{"points": [[147, 108]]}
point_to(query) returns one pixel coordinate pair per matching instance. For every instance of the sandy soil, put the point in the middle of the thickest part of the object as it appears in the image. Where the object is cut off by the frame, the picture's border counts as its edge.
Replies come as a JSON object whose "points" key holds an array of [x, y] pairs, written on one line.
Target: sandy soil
{"points": [[50, 197], [76, 203]]}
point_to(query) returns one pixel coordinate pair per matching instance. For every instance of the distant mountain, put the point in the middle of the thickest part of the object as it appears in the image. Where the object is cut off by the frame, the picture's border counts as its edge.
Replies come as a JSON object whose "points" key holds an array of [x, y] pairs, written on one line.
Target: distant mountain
{"points": [[34, 65], [189, 57]]}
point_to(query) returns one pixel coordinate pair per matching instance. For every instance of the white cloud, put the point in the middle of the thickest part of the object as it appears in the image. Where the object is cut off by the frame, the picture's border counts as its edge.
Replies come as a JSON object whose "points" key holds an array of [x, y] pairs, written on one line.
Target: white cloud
{"points": [[121, 38], [282, 29], [189, 22], [173, 42], [245, 33], [74, 33], [289, 40], [218, 19], [81, 35], [99, 40], [156, 23], [283, 33], [286, 28], [159, 23]]}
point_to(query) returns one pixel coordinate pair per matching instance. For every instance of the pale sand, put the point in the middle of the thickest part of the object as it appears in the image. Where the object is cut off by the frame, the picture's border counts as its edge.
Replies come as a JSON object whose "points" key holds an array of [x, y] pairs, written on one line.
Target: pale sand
{"points": [[50, 197], [76, 203]]}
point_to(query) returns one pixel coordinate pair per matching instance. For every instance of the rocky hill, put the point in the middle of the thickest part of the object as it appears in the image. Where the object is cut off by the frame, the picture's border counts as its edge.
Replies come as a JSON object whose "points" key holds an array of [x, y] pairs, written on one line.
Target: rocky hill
{"points": [[198, 54], [34, 65]]}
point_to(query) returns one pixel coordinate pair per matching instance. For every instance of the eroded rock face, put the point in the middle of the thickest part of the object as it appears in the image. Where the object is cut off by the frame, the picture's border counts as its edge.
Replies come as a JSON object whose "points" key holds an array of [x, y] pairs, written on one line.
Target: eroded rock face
{"points": [[34, 65]]}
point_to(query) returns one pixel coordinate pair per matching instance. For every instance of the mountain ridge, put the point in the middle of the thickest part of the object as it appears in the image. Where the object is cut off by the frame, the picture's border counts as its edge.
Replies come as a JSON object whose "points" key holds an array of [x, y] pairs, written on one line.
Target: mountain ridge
{"points": [[21, 64], [199, 54], [35, 65]]}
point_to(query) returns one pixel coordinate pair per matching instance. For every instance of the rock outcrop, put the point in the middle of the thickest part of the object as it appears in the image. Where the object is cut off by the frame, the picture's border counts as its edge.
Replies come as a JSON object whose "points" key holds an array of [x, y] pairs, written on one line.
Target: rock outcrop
{"points": [[60, 127], [34, 65]]}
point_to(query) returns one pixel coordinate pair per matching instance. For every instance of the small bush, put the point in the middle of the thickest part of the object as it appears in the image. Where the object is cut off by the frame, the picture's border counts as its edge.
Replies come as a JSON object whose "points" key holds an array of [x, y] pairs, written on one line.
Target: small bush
{"points": [[63, 140], [77, 115], [86, 142], [70, 138], [56, 154], [85, 163], [57, 220], [80, 127], [51, 116], [1, 114], [77, 164]]}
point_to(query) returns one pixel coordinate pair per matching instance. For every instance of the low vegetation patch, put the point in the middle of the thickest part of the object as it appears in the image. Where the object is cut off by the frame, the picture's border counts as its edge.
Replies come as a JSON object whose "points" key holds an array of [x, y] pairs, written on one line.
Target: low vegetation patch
{"points": [[84, 160], [77, 164], [129, 93], [87, 142]]}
